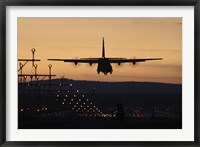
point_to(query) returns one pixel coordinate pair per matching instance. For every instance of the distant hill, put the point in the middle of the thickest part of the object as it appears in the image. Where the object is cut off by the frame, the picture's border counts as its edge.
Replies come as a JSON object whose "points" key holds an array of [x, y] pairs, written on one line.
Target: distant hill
{"points": [[136, 94], [120, 87]]}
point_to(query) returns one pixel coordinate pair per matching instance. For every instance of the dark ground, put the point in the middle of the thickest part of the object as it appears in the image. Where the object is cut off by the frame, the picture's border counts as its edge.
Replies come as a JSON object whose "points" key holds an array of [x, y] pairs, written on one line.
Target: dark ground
{"points": [[99, 123]]}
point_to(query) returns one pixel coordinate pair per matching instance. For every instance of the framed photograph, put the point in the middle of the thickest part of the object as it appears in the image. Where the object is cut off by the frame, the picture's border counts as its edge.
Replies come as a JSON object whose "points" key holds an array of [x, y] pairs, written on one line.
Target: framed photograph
{"points": [[107, 73]]}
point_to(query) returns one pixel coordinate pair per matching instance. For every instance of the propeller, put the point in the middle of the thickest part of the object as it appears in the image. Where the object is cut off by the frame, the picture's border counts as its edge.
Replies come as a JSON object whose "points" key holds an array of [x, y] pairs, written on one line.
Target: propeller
{"points": [[91, 65], [134, 64], [119, 65], [76, 64]]}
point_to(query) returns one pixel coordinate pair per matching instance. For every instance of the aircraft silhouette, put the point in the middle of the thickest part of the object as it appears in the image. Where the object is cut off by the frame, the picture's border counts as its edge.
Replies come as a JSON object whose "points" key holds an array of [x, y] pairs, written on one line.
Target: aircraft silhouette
{"points": [[104, 64]]}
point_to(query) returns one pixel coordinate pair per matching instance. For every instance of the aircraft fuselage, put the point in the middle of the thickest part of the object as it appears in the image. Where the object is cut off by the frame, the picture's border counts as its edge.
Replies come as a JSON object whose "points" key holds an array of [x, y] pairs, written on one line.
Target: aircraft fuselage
{"points": [[104, 66]]}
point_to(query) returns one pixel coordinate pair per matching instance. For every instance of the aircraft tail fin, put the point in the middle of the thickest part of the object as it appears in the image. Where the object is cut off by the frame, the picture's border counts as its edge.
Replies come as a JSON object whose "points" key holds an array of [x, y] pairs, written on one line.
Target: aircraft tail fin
{"points": [[103, 49]]}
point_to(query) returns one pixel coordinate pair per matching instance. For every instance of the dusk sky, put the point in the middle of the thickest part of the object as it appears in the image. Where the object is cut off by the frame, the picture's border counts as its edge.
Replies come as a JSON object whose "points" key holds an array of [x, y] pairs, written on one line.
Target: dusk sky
{"points": [[124, 37]]}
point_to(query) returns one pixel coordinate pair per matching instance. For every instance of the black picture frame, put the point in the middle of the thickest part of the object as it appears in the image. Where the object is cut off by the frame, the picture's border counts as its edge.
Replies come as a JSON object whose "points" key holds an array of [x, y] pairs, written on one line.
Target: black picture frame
{"points": [[5, 3]]}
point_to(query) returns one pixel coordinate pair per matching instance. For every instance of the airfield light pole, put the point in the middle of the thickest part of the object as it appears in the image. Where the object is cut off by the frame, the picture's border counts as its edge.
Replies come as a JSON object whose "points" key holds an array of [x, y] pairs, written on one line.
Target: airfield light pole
{"points": [[33, 51], [21, 66], [50, 66], [35, 70]]}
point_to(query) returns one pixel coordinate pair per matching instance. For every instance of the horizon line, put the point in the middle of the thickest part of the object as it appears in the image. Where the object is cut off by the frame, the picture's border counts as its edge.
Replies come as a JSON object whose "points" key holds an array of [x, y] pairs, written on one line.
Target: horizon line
{"points": [[101, 81]]}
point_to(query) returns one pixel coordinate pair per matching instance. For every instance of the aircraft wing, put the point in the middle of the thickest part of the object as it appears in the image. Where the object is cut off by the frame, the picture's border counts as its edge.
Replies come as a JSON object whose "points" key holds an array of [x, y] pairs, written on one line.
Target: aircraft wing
{"points": [[132, 60], [76, 61]]}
